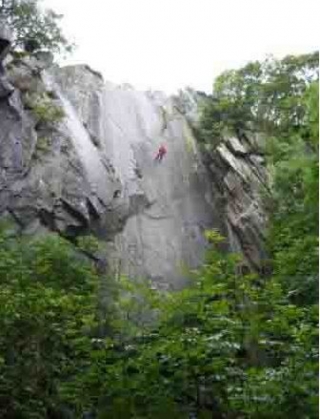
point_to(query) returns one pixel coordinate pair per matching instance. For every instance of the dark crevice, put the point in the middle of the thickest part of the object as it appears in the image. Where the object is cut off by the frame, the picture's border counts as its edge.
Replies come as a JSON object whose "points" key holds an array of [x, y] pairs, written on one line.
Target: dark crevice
{"points": [[75, 213], [47, 218], [93, 212], [4, 44], [246, 247], [16, 218], [116, 194]]}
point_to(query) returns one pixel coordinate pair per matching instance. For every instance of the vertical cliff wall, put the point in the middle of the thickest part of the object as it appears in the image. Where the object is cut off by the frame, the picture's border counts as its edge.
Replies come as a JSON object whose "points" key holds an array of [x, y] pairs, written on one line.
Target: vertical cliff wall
{"points": [[238, 174], [52, 176], [169, 203], [77, 155]]}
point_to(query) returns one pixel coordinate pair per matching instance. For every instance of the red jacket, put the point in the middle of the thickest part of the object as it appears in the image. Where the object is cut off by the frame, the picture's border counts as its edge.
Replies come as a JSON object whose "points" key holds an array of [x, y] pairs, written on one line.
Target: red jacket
{"points": [[162, 150]]}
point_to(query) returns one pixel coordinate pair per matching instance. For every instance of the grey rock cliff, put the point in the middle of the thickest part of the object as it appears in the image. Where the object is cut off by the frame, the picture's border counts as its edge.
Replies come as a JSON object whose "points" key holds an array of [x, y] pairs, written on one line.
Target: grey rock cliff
{"points": [[51, 175], [169, 203], [77, 155], [5, 40], [238, 175]]}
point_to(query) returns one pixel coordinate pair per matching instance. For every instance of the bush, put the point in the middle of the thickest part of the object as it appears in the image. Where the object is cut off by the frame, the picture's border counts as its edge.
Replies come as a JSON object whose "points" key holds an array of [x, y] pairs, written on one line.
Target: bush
{"points": [[47, 311], [228, 346], [43, 108]]}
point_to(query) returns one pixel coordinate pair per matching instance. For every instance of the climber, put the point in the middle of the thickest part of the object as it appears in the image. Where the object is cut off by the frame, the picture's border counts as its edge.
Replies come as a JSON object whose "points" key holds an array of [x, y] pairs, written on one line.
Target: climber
{"points": [[161, 153]]}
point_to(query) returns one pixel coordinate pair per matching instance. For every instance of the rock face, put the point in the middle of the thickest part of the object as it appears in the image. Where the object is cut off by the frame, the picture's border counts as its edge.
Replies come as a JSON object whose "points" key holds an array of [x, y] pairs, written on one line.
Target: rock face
{"points": [[169, 203], [238, 175], [77, 155], [52, 176], [5, 40]]}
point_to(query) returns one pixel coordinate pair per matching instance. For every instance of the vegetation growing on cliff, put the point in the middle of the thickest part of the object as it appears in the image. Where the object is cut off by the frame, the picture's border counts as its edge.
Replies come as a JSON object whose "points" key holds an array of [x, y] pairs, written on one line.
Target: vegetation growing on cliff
{"points": [[43, 108], [280, 99]]}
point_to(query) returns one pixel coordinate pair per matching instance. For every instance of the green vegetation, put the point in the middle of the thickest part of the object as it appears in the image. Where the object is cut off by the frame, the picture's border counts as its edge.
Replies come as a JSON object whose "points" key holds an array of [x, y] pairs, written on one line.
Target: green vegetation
{"points": [[262, 96], [43, 108], [280, 99], [294, 207], [43, 145], [33, 29], [228, 346], [231, 345], [47, 301], [188, 135]]}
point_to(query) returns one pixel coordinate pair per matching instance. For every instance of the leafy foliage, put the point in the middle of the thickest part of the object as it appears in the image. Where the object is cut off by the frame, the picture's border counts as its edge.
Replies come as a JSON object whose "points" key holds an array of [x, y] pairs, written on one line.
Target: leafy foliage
{"points": [[262, 96], [229, 346], [43, 108], [293, 204], [47, 308], [33, 28], [280, 99]]}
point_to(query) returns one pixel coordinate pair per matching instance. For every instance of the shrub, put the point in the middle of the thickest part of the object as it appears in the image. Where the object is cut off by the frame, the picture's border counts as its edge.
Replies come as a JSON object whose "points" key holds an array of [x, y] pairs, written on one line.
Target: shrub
{"points": [[43, 108]]}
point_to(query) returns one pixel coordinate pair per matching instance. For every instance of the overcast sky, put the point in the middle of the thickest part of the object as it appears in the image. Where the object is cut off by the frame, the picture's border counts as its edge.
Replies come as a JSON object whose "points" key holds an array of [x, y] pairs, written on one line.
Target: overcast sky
{"points": [[168, 44]]}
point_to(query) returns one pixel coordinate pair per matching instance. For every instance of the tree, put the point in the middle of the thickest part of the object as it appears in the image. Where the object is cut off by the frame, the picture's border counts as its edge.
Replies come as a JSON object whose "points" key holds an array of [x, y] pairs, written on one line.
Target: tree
{"points": [[48, 313], [262, 96], [293, 204], [33, 28], [280, 99], [228, 346]]}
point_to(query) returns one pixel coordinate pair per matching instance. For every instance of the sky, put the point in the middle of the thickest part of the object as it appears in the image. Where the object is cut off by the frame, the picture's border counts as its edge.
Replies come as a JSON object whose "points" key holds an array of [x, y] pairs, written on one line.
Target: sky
{"points": [[169, 44]]}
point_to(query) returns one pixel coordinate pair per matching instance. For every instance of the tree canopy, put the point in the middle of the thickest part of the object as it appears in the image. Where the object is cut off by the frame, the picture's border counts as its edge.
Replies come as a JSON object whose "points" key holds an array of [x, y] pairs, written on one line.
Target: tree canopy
{"points": [[280, 99], [34, 28], [262, 96]]}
